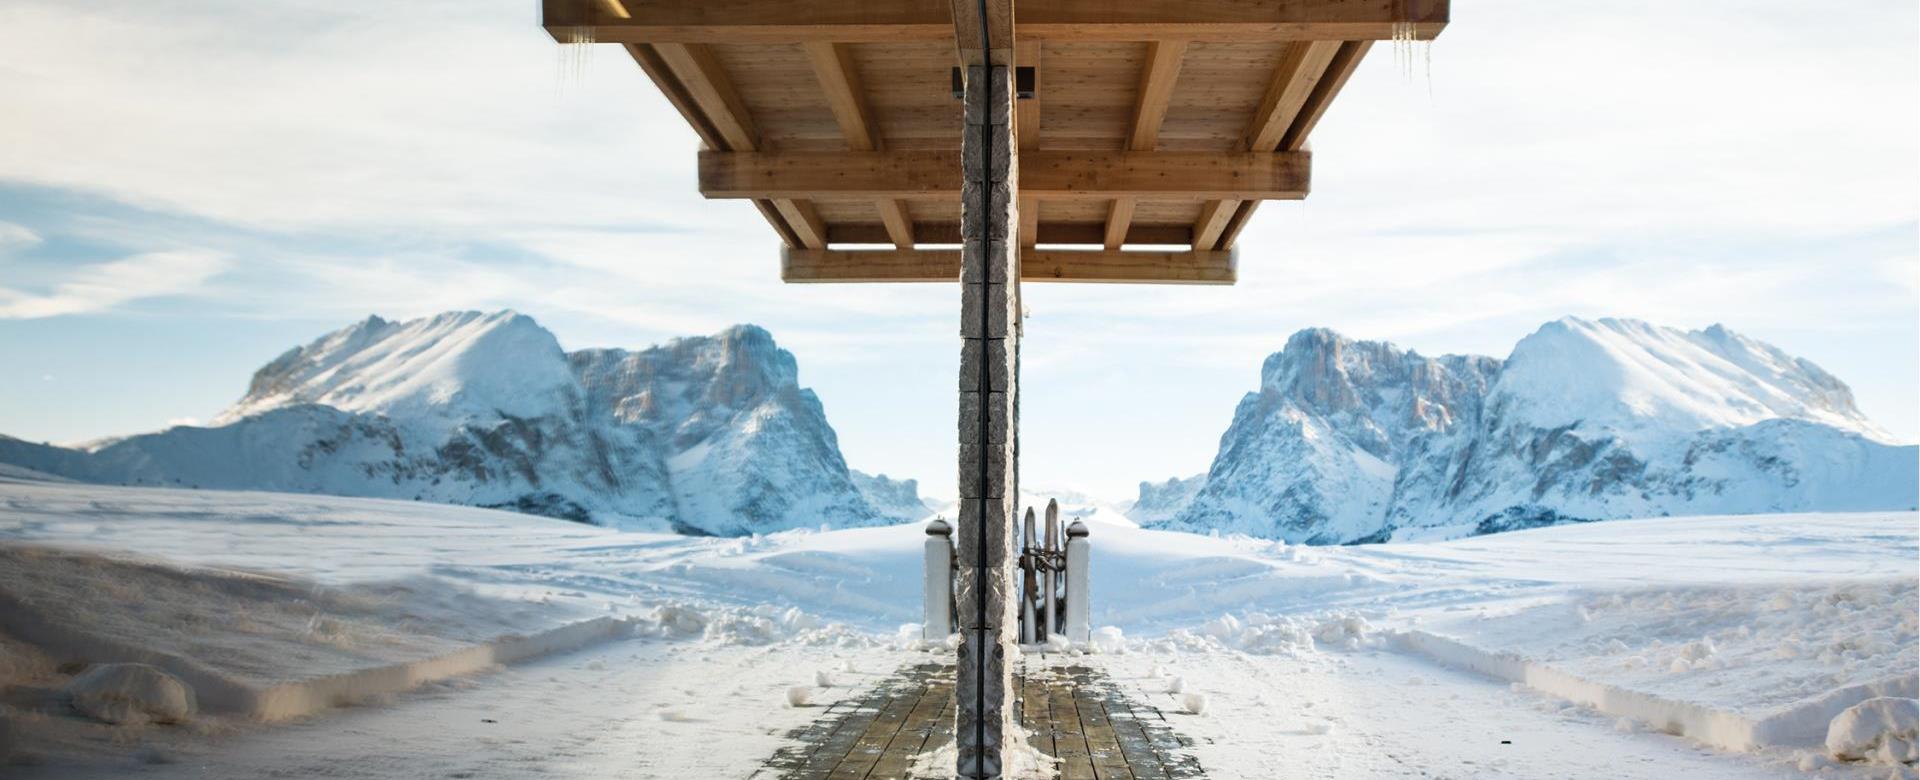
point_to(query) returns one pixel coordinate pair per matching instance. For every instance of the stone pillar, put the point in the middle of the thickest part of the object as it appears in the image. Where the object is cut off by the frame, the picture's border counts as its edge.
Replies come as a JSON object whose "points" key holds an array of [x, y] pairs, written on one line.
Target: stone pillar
{"points": [[989, 421]]}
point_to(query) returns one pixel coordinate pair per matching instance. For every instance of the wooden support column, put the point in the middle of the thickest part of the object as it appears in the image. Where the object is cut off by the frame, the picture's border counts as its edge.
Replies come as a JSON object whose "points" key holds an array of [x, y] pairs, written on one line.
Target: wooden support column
{"points": [[989, 422]]}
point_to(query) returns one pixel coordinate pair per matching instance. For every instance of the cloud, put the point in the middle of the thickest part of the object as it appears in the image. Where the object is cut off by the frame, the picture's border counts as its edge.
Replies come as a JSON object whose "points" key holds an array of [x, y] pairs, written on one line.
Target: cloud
{"points": [[14, 236], [104, 286]]}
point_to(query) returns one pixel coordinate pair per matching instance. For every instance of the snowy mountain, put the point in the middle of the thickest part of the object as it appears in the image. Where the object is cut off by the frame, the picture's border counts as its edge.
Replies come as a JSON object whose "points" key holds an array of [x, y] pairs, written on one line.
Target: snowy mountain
{"points": [[896, 498], [708, 435], [1160, 501], [1586, 420]]}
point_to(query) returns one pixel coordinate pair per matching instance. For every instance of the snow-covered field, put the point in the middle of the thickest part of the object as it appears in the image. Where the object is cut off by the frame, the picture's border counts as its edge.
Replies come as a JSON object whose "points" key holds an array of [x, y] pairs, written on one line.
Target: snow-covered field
{"points": [[1583, 648]]}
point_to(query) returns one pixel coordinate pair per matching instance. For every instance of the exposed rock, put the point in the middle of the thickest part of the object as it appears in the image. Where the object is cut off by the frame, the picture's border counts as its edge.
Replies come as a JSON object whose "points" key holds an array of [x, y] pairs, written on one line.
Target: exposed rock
{"points": [[896, 498]]}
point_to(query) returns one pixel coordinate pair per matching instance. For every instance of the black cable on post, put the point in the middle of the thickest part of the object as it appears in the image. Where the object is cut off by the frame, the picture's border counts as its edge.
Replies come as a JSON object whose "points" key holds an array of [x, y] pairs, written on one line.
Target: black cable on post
{"points": [[986, 385]]}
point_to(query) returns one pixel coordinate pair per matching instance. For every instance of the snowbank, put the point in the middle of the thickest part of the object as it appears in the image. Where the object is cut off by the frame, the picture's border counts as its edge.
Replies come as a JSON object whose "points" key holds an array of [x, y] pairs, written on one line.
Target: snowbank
{"points": [[1882, 730]]}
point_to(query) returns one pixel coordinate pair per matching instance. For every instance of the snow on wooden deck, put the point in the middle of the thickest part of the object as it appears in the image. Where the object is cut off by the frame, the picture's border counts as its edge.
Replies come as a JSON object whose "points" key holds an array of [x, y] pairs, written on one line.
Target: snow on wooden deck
{"points": [[1073, 715]]}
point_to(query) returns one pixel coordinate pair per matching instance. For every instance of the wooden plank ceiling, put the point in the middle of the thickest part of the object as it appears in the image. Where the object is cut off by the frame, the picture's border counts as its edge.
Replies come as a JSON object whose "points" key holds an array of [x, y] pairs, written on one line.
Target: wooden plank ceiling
{"points": [[1158, 123]]}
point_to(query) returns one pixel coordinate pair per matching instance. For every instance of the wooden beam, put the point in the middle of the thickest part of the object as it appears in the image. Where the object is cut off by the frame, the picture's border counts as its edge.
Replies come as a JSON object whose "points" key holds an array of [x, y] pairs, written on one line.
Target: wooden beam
{"points": [[1293, 81], [1339, 69], [840, 79], [1042, 265], [805, 221], [1150, 101], [1214, 215], [888, 21], [683, 101], [899, 225], [1155, 92], [1045, 174], [1026, 127], [1301, 67], [1119, 218], [1129, 267], [700, 72], [1078, 233]]}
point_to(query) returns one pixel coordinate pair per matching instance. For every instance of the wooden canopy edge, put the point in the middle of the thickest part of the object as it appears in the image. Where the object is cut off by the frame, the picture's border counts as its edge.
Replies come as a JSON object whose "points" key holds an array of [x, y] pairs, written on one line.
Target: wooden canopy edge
{"points": [[1109, 266], [873, 21]]}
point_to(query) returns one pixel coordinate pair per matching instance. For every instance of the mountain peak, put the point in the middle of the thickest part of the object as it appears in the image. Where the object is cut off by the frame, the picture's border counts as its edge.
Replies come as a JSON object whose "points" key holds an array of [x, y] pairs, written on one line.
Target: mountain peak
{"points": [[1633, 375], [707, 434], [453, 362], [1587, 419]]}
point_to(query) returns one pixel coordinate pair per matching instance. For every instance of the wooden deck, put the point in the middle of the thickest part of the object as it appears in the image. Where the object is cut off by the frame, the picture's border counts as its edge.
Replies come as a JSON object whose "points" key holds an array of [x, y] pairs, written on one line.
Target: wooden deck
{"points": [[1071, 713]]}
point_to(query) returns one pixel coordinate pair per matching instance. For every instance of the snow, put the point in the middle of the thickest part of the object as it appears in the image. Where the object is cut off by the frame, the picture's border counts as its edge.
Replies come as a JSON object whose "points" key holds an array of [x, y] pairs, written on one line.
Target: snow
{"points": [[1643, 378], [1883, 730], [446, 366], [1329, 661]]}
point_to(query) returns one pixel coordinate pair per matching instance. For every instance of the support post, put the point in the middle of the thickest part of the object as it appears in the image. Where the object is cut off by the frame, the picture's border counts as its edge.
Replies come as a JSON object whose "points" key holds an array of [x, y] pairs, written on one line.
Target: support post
{"points": [[1078, 553], [989, 412], [937, 589]]}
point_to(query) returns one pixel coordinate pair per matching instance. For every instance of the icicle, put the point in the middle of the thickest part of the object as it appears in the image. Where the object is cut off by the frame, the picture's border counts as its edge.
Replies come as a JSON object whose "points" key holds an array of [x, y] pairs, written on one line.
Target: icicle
{"points": [[575, 54]]}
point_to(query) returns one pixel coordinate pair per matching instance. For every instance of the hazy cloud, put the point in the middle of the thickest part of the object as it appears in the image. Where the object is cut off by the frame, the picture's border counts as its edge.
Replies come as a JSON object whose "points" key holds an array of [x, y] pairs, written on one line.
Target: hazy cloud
{"points": [[100, 287]]}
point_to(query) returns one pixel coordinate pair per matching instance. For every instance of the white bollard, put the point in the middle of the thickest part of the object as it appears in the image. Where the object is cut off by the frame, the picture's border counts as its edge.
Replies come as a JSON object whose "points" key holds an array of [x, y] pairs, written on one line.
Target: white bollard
{"points": [[1078, 626], [937, 588]]}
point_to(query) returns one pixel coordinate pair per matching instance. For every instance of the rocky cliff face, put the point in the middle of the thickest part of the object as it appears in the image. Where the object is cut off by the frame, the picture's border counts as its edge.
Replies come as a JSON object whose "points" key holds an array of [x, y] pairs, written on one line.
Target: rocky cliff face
{"points": [[1159, 502], [1359, 441], [701, 435], [896, 498]]}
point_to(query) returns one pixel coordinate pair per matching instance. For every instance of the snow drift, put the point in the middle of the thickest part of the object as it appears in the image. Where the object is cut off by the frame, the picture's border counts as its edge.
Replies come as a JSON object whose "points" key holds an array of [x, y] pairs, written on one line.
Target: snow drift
{"points": [[706, 435], [1350, 441]]}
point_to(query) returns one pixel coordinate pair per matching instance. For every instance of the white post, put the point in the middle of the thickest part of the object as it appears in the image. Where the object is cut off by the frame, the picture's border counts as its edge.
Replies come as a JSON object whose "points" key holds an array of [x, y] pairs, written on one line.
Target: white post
{"points": [[937, 589], [1078, 628]]}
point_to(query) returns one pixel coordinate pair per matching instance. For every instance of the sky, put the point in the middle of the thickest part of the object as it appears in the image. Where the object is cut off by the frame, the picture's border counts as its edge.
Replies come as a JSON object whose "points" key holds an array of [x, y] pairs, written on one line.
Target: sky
{"points": [[188, 189]]}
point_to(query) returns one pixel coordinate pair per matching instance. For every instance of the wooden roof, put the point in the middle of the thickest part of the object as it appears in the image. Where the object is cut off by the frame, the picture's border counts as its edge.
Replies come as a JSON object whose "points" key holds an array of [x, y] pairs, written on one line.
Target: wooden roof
{"points": [[1153, 122]]}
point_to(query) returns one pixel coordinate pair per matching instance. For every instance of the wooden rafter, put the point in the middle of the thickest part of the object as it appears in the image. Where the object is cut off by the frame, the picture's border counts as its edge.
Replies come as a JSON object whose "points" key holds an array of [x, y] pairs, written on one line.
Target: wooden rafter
{"points": [[682, 99], [1300, 68], [1039, 265], [707, 87], [840, 79], [1026, 127], [1043, 174], [878, 21], [1339, 68], [1149, 111]]}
